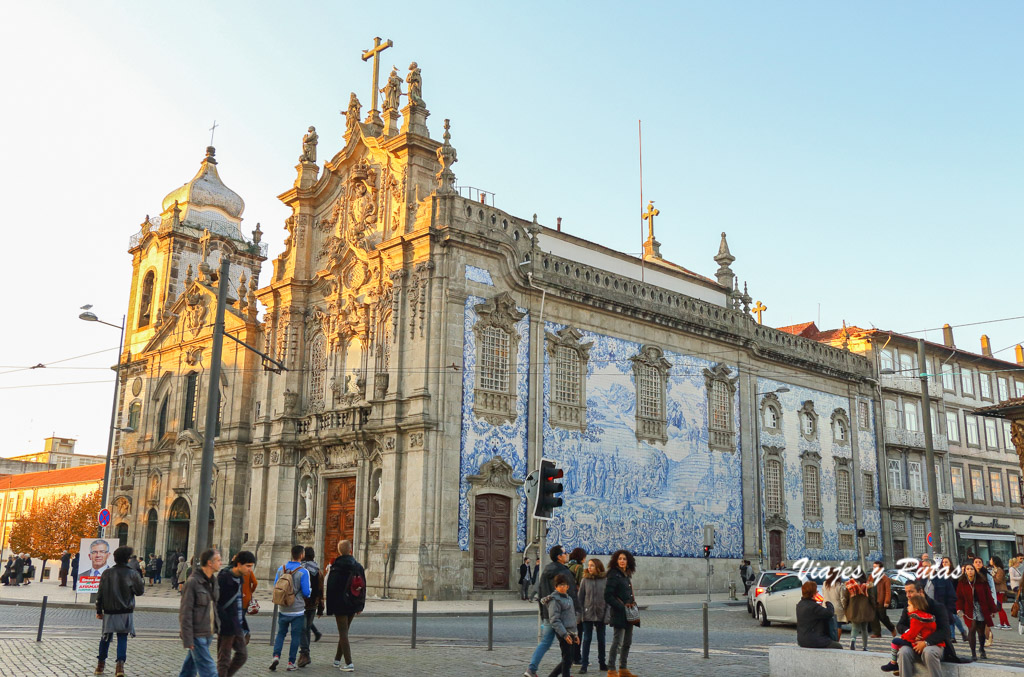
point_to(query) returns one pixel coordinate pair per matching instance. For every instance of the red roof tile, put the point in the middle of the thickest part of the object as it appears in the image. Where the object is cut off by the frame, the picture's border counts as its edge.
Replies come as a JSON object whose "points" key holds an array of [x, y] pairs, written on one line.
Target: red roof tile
{"points": [[1002, 407], [805, 329], [79, 475]]}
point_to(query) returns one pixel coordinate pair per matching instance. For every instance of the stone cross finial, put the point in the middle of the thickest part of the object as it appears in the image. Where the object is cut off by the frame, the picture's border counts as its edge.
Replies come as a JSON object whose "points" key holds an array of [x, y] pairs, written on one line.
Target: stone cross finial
{"points": [[447, 156], [724, 259], [373, 116], [204, 252], [758, 309], [212, 130]]}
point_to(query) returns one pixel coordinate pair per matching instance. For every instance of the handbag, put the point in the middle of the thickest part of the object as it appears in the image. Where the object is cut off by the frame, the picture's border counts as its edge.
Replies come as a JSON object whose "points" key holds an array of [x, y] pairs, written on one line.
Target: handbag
{"points": [[254, 607], [632, 610]]}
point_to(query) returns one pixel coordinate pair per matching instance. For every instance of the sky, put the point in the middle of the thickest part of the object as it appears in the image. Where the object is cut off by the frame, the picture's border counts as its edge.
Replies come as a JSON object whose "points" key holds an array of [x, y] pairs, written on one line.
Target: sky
{"points": [[864, 158]]}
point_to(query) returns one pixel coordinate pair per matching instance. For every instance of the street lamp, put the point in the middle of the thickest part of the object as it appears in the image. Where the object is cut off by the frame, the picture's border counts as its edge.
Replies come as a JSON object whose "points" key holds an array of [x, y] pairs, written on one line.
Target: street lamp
{"points": [[757, 474], [91, 317]]}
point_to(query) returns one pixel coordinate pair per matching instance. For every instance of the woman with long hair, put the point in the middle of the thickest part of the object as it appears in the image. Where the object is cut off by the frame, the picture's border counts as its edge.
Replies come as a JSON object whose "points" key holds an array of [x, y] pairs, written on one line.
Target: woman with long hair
{"points": [[834, 591], [954, 619], [999, 580], [974, 601], [618, 594], [595, 612]]}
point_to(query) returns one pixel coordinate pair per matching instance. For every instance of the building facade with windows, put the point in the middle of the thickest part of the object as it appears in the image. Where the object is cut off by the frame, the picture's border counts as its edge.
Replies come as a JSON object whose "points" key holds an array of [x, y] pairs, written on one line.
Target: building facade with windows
{"points": [[434, 348], [977, 469], [59, 453]]}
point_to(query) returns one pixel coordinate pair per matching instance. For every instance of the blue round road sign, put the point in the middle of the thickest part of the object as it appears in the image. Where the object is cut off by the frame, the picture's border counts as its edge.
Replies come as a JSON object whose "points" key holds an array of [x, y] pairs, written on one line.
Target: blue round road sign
{"points": [[103, 517]]}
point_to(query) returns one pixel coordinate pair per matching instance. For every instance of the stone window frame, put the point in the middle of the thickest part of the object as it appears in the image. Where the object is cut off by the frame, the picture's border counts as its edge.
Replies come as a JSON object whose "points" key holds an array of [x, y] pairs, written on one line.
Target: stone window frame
{"points": [[651, 360], [840, 421], [985, 385], [771, 401], [775, 455], [852, 536], [804, 413], [919, 527], [1008, 435], [1013, 484], [811, 460], [564, 414], [968, 418], [956, 468], [984, 489], [135, 414], [863, 415], [917, 463], [953, 432], [966, 378], [869, 490], [845, 467], [720, 377], [989, 425], [819, 537], [500, 312]]}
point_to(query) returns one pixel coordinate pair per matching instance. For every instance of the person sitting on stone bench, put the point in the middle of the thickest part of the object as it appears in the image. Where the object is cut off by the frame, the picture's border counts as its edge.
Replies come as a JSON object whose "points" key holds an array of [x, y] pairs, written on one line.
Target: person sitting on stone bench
{"points": [[812, 620], [929, 651]]}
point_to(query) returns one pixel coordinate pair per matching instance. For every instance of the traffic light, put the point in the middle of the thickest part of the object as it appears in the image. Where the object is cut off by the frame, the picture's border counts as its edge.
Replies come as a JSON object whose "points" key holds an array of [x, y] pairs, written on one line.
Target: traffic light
{"points": [[707, 551], [547, 501]]}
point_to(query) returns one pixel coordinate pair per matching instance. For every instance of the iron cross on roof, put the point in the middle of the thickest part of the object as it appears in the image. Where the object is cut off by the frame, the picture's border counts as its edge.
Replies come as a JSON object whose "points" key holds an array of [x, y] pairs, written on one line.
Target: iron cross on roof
{"points": [[375, 55], [758, 309], [649, 216]]}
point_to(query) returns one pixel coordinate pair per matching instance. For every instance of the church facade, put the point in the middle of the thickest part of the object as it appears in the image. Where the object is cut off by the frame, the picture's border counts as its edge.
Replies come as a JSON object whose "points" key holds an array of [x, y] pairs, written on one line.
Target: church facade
{"points": [[434, 348]]}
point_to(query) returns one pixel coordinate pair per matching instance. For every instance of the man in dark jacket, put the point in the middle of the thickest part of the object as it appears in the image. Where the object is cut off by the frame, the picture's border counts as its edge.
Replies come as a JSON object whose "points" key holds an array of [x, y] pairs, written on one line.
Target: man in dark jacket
{"points": [[812, 620], [65, 565], [880, 599], [74, 572], [18, 570], [545, 587], [525, 579], [314, 604], [346, 597], [197, 617], [115, 606], [926, 651], [234, 631]]}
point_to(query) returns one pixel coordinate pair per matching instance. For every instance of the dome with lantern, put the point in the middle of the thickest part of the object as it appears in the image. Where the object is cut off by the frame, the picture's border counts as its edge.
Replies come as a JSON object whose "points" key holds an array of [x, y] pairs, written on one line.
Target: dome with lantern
{"points": [[205, 203]]}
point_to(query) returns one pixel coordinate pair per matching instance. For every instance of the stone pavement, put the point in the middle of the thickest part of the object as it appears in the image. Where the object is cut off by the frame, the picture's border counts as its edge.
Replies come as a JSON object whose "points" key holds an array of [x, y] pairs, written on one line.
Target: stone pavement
{"points": [[163, 658]]}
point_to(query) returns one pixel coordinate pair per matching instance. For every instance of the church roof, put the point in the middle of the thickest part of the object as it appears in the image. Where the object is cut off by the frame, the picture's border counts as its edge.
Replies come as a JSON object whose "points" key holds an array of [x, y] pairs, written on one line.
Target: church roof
{"points": [[206, 193]]}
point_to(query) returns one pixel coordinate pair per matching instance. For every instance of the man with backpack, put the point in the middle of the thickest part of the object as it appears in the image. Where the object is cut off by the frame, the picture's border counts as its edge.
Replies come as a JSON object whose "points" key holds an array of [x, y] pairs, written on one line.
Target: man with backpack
{"points": [[291, 588], [346, 598], [314, 604]]}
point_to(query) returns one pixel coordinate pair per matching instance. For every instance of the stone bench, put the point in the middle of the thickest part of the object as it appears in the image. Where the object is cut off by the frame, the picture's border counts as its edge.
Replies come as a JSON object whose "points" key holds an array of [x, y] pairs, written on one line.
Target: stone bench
{"points": [[789, 660]]}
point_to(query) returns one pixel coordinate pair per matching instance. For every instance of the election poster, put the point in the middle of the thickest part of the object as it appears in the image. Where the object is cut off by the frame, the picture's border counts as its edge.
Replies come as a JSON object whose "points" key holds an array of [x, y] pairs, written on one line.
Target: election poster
{"points": [[96, 556]]}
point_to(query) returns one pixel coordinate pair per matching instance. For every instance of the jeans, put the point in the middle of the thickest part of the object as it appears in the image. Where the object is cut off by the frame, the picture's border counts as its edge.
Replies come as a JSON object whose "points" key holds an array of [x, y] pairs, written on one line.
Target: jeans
{"points": [[588, 632], [524, 588], [621, 637], [859, 629], [199, 661], [122, 646], [931, 657], [308, 628], [546, 638], [226, 664], [297, 624], [344, 623], [958, 622]]}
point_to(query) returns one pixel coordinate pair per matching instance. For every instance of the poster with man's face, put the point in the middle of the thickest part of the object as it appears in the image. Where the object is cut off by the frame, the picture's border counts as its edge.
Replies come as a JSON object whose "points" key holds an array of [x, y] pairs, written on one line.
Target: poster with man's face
{"points": [[96, 556]]}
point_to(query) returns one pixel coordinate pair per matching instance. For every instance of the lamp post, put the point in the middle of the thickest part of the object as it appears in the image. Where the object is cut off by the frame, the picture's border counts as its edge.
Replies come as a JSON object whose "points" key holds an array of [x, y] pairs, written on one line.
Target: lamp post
{"points": [[91, 317], [757, 475]]}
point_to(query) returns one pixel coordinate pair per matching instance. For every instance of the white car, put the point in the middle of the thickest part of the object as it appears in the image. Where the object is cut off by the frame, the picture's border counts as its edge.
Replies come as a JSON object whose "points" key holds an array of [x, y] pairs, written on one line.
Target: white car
{"points": [[761, 583], [777, 603]]}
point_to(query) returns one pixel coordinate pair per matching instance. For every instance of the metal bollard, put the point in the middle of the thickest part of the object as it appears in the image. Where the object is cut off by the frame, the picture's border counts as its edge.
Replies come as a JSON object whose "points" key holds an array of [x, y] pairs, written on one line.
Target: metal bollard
{"points": [[490, 625], [413, 646], [42, 616], [705, 629], [273, 626]]}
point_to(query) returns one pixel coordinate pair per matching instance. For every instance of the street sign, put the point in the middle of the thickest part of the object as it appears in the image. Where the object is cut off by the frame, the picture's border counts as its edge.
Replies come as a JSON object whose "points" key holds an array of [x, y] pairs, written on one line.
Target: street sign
{"points": [[931, 541], [103, 518]]}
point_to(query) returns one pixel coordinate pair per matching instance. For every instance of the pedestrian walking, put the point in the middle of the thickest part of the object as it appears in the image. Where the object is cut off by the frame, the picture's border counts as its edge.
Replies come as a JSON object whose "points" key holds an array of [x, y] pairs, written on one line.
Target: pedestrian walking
{"points": [[18, 571], [880, 595], [231, 609], [346, 598], [197, 616], [562, 615], [74, 572], [65, 566], [134, 564], [999, 582], [985, 573], [171, 565], [151, 568], [291, 588], [859, 610], [1014, 573], [5, 579], [535, 578], [179, 574], [595, 612], [115, 606], [955, 622], [525, 579], [974, 602], [159, 569], [314, 605], [835, 593], [746, 575], [577, 565], [545, 586], [618, 593]]}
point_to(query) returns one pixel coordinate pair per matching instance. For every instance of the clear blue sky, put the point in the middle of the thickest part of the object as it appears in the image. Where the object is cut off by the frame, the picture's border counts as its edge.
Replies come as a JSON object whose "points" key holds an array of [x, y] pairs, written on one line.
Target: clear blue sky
{"points": [[865, 156]]}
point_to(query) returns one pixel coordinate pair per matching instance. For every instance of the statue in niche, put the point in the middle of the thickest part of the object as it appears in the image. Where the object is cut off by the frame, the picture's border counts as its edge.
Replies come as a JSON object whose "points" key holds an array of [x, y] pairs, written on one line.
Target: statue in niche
{"points": [[352, 113], [415, 81], [154, 487], [183, 476], [309, 140], [307, 502], [392, 90], [375, 504]]}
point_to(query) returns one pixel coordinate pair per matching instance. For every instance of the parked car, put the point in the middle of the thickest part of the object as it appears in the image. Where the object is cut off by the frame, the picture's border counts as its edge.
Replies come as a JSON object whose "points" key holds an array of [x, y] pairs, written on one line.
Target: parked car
{"points": [[898, 598], [776, 603], [761, 583]]}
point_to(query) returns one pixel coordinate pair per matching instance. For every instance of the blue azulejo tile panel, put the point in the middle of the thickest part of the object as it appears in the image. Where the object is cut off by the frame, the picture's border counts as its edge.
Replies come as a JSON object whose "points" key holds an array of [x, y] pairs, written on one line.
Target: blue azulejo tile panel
{"points": [[651, 498], [480, 275], [826, 445], [871, 515], [481, 441]]}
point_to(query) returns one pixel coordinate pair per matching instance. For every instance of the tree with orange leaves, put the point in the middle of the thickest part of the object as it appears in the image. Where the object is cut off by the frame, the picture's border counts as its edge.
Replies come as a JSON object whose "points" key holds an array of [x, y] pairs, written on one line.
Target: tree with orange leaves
{"points": [[56, 525]]}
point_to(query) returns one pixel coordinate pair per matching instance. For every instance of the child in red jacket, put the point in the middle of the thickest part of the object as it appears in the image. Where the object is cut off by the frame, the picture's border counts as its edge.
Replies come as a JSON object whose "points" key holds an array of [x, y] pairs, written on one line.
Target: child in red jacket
{"points": [[922, 625]]}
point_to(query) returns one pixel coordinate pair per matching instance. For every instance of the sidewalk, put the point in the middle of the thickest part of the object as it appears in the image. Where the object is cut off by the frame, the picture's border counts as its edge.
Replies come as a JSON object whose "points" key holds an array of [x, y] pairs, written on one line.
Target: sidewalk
{"points": [[162, 598]]}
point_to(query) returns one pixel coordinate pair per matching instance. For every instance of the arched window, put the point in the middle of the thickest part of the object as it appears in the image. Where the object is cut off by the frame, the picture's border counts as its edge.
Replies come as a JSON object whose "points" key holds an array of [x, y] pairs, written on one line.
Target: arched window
{"points": [[146, 300], [840, 427], [808, 421], [134, 414], [161, 424]]}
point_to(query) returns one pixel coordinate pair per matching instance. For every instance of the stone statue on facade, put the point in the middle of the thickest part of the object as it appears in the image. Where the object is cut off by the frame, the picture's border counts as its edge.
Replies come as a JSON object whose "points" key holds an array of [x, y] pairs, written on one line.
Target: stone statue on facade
{"points": [[307, 498], [352, 113], [415, 81], [309, 140], [392, 91]]}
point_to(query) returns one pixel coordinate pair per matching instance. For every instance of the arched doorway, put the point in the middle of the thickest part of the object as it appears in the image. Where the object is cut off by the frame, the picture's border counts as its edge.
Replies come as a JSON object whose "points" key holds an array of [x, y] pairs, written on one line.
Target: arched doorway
{"points": [[774, 548], [492, 528], [121, 533], [177, 526], [150, 535]]}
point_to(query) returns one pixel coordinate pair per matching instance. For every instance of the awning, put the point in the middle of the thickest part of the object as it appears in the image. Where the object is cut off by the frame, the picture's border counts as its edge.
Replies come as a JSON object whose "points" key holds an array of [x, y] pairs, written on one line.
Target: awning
{"points": [[979, 536]]}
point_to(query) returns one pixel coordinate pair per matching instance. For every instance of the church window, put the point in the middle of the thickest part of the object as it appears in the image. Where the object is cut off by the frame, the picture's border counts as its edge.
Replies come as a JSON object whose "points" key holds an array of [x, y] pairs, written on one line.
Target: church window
{"points": [[773, 487], [863, 415], [497, 341], [808, 421], [721, 390], [844, 499], [869, 490], [191, 400], [161, 424], [840, 427], [812, 499], [771, 412], [815, 539], [134, 412], [650, 375], [569, 356], [146, 300], [317, 371]]}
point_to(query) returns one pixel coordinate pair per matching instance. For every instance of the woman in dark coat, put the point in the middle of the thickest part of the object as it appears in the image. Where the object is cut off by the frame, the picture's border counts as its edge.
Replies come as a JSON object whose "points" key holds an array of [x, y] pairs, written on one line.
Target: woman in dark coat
{"points": [[618, 592], [974, 601], [859, 610], [812, 620]]}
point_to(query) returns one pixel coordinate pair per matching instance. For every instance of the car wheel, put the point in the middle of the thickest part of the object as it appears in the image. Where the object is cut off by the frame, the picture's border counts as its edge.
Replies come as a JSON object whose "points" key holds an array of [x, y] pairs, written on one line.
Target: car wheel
{"points": [[750, 609], [762, 616]]}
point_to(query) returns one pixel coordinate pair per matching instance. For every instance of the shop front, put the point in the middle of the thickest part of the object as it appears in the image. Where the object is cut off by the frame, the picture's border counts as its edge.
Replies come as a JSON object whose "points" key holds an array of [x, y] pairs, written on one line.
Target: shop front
{"points": [[987, 538]]}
